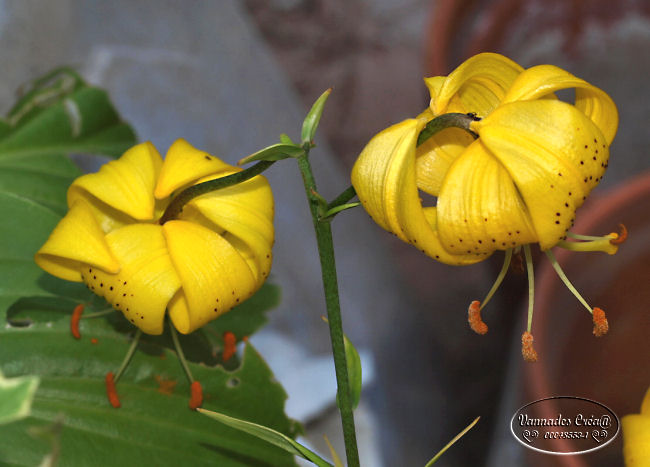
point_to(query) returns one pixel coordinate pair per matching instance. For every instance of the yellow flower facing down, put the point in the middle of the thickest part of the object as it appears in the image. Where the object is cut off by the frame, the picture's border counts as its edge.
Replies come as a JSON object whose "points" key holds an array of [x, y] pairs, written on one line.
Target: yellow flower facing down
{"points": [[212, 257], [533, 164], [636, 436], [516, 176]]}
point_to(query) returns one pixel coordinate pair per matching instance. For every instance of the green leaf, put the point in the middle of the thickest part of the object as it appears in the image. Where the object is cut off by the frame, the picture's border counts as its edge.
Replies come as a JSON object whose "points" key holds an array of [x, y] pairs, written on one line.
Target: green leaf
{"points": [[274, 152], [353, 363], [154, 426], [354, 371], [270, 436], [284, 139], [312, 119], [16, 396], [59, 116]]}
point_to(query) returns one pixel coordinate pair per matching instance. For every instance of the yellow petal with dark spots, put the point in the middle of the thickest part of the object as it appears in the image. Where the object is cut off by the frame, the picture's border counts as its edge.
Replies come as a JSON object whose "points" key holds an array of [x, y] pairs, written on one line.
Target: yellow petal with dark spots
{"points": [[479, 208], [553, 169], [539, 81], [125, 184], [214, 276], [147, 281], [75, 241], [184, 164]]}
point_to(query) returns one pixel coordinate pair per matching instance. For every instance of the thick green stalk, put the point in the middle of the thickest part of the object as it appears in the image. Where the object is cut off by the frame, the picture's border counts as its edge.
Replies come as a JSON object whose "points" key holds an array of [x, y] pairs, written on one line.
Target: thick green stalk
{"points": [[330, 284]]}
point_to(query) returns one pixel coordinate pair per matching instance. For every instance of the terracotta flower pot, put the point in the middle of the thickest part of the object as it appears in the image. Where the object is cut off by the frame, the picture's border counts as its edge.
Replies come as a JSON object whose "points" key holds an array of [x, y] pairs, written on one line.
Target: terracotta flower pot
{"points": [[613, 369]]}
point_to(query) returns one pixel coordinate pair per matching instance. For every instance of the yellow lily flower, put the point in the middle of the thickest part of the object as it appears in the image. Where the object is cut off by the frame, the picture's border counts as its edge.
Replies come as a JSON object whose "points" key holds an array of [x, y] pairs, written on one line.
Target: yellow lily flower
{"points": [[533, 164], [636, 436], [518, 179], [213, 256]]}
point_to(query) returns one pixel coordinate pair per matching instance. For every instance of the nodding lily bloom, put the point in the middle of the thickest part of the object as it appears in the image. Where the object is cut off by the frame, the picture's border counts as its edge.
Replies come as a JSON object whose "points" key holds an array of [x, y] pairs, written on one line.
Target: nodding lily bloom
{"points": [[636, 436], [215, 254], [515, 178]]}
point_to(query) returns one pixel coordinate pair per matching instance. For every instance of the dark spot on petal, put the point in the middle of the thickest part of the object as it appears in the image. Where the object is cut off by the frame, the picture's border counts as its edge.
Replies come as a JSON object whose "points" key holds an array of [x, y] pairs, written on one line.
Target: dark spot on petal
{"points": [[101, 284], [207, 158], [557, 222], [111, 288]]}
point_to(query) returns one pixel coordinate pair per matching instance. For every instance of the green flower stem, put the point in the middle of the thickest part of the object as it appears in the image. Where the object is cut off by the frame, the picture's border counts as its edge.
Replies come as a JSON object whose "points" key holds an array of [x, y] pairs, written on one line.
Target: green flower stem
{"points": [[187, 195], [445, 121], [328, 269]]}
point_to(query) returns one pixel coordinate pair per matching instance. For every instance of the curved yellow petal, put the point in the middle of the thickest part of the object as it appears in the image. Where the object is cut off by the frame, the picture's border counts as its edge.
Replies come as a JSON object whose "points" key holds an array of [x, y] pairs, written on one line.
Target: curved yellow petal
{"points": [[243, 215], [435, 155], [539, 81], [636, 440], [554, 169], [645, 405], [479, 208], [384, 179], [214, 276], [125, 184], [185, 164], [477, 85], [147, 281], [77, 240]]}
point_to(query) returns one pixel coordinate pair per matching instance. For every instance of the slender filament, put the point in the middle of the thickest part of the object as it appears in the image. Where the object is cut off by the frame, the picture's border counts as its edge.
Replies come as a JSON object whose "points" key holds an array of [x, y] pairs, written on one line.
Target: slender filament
{"points": [[531, 286], [129, 355], [97, 314], [499, 279], [181, 355], [566, 281]]}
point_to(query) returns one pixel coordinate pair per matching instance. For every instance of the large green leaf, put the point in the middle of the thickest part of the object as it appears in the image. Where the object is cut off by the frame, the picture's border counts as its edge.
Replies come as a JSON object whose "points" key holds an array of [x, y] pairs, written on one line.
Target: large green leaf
{"points": [[58, 117]]}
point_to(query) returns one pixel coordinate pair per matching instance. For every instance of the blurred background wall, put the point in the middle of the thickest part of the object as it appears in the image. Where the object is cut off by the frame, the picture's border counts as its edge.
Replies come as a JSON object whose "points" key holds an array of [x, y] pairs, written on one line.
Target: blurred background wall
{"points": [[230, 76]]}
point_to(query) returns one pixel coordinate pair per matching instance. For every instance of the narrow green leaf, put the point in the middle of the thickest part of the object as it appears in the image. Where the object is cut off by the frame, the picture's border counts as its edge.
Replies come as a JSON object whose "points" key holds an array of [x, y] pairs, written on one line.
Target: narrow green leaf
{"points": [[16, 395], [343, 207], [335, 456], [275, 152], [451, 443], [271, 436], [284, 139], [354, 371], [353, 362], [310, 123]]}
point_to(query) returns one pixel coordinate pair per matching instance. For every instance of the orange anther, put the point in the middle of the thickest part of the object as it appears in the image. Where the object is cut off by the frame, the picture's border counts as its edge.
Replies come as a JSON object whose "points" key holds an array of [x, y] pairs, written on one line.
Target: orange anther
{"points": [[601, 326], [620, 237], [474, 318], [527, 349], [74, 321], [111, 392], [94, 340], [196, 399], [229, 345]]}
